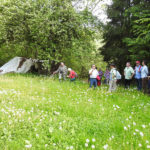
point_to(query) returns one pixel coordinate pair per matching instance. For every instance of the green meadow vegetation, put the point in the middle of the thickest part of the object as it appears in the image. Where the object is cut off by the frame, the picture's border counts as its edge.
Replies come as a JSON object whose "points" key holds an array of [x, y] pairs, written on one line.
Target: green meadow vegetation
{"points": [[41, 113]]}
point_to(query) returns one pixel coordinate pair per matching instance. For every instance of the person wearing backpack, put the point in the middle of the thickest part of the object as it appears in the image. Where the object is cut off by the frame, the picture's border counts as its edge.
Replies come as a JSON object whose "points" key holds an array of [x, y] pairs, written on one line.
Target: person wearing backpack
{"points": [[128, 73], [144, 76], [138, 78], [72, 75], [113, 78]]}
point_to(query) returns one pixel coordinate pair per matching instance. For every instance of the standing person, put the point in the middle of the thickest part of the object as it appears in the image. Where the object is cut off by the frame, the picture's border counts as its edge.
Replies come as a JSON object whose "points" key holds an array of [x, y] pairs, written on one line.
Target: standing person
{"points": [[72, 75], [107, 76], [100, 75], [144, 76], [93, 76], [128, 73], [113, 78], [62, 70], [138, 78]]}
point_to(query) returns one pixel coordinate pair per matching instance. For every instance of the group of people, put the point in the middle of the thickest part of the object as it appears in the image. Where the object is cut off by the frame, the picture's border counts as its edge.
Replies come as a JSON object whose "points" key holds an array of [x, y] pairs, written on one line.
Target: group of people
{"points": [[112, 75], [140, 73]]}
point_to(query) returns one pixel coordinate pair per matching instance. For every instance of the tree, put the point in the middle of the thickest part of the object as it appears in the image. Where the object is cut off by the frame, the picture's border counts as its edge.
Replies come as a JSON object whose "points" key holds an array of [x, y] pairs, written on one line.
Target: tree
{"points": [[48, 29]]}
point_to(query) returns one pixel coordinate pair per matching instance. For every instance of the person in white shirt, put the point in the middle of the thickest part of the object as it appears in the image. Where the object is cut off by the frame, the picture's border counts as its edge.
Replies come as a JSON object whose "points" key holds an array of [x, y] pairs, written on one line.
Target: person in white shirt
{"points": [[144, 76], [113, 78], [93, 75]]}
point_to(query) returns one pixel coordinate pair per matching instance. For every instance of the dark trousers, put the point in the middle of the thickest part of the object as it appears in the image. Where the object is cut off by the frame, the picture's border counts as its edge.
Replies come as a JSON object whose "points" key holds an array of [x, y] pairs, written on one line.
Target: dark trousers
{"points": [[139, 84], [93, 81], [149, 86], [145, 85], [127, 83]]}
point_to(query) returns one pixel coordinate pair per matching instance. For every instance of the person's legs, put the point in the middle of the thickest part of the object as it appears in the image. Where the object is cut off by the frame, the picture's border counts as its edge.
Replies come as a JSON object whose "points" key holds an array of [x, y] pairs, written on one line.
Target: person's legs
{"points": [[60, 76], [144, 85], [149, 86], [95, 83], [140, 84], [137, 81], [64, 76], [107, 81], [125, 83], [114, 85], [129, 83], [91, 83], [72, 80], [110, 85]]}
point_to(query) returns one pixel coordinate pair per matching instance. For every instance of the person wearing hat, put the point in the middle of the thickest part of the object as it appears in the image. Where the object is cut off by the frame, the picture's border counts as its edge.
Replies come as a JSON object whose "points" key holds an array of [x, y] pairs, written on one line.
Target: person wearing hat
{"points": [[138, 78], [113, 78], [144, 76], [72, 75]]}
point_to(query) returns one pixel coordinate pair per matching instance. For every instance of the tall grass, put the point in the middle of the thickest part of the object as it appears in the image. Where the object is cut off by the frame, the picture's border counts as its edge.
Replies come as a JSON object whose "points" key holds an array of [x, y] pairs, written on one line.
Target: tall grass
{"points": [[40, 113]]}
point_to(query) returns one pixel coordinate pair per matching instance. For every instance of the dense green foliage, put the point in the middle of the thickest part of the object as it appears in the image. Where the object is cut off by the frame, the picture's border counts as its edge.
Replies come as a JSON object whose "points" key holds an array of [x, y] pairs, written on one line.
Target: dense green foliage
{"points": [[42, 113], [127, 35], [48, 29]]}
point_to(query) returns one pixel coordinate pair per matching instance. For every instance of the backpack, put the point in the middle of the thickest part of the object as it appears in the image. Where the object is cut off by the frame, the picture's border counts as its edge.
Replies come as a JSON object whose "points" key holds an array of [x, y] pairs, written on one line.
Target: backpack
{"points": [[76, 75], [118, 75]]}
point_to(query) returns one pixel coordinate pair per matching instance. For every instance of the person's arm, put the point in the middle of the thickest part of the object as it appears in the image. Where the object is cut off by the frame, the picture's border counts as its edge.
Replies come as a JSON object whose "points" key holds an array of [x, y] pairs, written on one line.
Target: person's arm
{"points": [[133, 73], [90, 72], [70, 75], [146, 70], [55, 72]]}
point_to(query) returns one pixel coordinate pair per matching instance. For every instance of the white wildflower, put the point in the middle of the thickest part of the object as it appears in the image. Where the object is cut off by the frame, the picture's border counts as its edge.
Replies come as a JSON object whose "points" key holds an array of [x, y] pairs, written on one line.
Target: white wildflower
{"points": [[105, 146], [134, 123], [141, 134], [125, 128], [140, 145], [86, 145], [134, 133], [93, 140], [87, 140], [71, 147], [28, 146], [136, 130], [93, 146], [148, 146]]}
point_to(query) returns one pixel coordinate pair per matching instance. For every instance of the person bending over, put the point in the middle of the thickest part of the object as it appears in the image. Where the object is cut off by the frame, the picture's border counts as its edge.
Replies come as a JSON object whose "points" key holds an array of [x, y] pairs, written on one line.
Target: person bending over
{"points": [[62, 71]]}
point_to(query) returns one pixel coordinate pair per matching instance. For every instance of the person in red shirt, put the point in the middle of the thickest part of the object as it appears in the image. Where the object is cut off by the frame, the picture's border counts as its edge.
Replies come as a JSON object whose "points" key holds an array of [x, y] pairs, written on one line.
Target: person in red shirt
{"points": [[72, 74]]}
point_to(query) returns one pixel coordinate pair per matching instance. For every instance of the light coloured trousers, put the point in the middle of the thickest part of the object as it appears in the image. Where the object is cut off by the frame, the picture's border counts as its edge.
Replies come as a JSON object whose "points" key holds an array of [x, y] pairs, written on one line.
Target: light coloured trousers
{"points": [[112, 85], [62, 75]]}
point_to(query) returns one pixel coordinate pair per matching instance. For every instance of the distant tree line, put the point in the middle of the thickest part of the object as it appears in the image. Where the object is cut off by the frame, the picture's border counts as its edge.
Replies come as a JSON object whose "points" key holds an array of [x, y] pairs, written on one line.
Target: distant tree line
{"points": [[127, 35]]}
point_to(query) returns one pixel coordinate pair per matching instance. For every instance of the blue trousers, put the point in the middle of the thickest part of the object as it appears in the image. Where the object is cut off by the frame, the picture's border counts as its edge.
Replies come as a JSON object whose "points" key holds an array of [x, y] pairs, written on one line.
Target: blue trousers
{"points": [[93, 81], [139, 84]]}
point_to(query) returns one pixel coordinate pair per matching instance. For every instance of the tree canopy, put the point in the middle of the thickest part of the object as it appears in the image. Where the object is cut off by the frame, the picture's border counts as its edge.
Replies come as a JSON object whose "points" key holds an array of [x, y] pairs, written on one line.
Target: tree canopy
{"points": [[127, 35], [50, 30]]}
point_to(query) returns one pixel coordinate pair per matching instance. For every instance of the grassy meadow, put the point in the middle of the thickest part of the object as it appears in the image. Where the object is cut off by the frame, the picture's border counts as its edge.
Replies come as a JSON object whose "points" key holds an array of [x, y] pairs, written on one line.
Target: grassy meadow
{"points": [[39, 113]]}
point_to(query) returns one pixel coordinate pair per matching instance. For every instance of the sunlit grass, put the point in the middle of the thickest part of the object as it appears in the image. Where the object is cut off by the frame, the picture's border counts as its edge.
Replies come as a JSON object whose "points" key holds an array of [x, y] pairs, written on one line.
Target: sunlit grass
{"points": [[41, 113]]}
